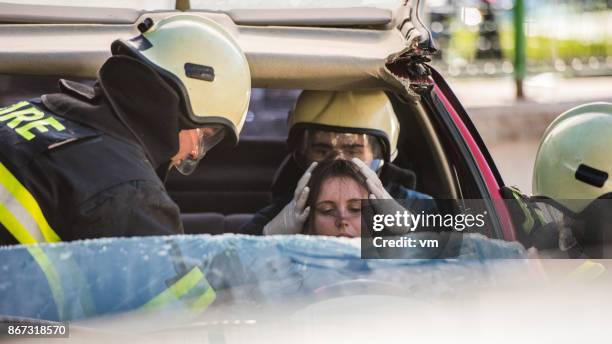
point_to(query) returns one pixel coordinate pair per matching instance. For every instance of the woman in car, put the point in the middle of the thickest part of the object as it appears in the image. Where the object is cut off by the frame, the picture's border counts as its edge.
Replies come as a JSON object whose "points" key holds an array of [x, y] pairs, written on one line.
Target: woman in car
{"points": [[359, 125], [337, 188]]}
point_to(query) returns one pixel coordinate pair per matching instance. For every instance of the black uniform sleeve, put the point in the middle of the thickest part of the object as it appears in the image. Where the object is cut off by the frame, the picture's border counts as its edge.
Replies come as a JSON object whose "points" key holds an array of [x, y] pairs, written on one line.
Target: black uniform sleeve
{"points": [[135, 208], [263, 216]]}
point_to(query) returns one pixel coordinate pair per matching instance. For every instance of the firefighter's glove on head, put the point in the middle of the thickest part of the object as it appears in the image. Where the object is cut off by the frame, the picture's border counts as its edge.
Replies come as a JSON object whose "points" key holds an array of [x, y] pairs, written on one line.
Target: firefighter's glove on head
{"points": [[293, 216], [378, 192], [375, 186]]}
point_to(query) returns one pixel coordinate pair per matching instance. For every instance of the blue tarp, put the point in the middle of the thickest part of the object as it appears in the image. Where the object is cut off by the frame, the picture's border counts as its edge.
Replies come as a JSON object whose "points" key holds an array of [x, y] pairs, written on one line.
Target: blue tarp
{"points": [[108, 276]]}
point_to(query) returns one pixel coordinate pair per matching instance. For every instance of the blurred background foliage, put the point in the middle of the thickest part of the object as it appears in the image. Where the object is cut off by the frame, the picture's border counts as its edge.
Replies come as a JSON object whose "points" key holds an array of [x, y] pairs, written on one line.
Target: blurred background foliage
{"points": [[476, 37]]}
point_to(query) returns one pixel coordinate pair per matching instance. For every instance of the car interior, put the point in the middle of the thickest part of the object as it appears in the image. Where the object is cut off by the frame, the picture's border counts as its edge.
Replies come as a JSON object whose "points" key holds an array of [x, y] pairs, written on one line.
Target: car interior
{"points": [[231, 184]]}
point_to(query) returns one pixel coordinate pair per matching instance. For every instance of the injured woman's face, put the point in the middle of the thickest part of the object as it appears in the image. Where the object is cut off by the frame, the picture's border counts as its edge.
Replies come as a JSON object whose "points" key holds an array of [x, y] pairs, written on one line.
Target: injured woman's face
{"points": [[336, 208]]}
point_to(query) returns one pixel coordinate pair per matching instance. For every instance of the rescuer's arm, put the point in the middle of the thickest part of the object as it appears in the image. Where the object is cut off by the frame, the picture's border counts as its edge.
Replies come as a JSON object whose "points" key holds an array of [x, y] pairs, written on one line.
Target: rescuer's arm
{"points": [[135, 208]]}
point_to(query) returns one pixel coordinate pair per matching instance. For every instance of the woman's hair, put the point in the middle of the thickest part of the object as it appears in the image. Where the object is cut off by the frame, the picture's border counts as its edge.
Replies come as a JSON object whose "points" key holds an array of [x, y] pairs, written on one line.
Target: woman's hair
{"points": [[329, 168]]}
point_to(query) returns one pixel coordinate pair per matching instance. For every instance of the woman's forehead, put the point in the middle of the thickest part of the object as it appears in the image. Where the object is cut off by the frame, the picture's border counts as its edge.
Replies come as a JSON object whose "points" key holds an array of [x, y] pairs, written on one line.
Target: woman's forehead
{"points": [[342, 188]]}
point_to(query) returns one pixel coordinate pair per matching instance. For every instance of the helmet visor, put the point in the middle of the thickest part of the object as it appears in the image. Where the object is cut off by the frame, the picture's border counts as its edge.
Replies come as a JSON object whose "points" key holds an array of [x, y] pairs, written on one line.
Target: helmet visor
{"points": [[317, 145], [206, 138]]}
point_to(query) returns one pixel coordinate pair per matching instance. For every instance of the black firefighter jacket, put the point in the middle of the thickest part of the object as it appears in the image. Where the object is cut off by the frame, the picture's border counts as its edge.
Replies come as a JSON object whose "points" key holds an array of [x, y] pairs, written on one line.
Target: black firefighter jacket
{"points": [[88, 162]]}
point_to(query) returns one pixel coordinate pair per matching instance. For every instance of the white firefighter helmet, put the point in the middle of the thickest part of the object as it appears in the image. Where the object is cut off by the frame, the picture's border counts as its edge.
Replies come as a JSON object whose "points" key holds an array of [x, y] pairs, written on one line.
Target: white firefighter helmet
{"points": [[365, 112], [574, 162], [203, 62]]}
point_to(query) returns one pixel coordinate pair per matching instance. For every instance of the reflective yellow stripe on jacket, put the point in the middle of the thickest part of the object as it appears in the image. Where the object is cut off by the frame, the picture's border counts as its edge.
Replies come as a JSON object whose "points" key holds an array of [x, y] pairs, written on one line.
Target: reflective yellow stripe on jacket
{"points": [[193, 283], [22, 214]]}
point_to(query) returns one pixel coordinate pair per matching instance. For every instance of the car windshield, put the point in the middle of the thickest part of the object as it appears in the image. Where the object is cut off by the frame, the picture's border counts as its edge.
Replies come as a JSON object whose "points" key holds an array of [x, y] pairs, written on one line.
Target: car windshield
{"points": [[200, 274]]}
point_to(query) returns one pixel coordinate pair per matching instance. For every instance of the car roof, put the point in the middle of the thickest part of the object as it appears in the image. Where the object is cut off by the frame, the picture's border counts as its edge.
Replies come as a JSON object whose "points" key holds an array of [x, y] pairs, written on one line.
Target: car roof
{"points": [[334, 48], [370, 13]]}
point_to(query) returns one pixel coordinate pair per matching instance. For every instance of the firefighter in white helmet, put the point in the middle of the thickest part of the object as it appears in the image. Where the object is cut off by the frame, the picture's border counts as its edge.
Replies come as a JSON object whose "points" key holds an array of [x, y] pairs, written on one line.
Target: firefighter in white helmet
{"points": [[572, 173], [353, 125], [90, 161]]}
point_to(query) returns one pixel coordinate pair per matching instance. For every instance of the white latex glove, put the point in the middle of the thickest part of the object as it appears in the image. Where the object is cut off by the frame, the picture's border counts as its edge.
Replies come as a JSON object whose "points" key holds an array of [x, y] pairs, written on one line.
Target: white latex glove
{"points": [[375, 186], [378, 191], [291, 219]]}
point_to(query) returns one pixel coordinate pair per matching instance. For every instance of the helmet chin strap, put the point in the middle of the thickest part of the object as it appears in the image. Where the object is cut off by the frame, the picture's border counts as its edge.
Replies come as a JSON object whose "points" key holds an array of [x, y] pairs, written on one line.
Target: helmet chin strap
{"points": [[163, 170]]}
